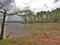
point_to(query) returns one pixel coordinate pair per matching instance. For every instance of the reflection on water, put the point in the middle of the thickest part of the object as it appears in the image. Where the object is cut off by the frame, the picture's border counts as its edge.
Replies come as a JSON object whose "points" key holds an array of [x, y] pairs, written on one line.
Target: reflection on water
{"points": [[17, 29]]}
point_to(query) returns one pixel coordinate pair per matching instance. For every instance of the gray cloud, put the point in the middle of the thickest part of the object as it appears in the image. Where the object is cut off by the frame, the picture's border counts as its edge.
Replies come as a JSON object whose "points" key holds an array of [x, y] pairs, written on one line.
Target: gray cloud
{"points": [[10, 4], [56, 1], [6, 2]]}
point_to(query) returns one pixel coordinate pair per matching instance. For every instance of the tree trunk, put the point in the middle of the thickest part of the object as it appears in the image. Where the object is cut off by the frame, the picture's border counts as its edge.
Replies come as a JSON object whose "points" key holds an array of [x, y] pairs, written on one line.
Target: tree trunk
{"points": [[2, 26]]}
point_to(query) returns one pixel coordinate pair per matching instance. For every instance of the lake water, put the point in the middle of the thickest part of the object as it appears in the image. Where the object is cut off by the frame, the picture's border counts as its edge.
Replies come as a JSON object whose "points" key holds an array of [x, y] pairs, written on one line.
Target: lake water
{"points": [[17, 29]]}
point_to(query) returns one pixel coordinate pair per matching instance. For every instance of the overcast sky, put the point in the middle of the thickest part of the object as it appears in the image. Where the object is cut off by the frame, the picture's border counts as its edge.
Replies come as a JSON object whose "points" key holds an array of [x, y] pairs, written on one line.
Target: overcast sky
{"points": [[34, 5]]}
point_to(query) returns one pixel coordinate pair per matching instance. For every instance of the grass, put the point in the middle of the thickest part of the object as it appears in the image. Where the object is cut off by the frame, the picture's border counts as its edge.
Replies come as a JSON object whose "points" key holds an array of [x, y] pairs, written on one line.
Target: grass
{"points": [[37, 37], [17, 42]]}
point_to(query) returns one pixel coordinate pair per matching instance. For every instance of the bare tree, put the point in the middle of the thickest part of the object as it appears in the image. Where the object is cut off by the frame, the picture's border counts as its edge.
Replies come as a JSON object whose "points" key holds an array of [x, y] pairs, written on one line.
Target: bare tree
{"points": [[4, 11], [3, 21], [2, 25]]}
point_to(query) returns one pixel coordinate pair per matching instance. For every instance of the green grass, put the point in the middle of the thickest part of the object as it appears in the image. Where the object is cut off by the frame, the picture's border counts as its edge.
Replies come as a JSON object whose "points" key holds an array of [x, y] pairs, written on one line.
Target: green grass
{"points": [[17, 42]]}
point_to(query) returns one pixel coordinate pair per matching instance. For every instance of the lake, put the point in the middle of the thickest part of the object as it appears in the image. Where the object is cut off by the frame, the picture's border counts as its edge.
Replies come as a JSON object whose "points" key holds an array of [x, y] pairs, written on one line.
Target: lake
{"points": [[18, 29]]}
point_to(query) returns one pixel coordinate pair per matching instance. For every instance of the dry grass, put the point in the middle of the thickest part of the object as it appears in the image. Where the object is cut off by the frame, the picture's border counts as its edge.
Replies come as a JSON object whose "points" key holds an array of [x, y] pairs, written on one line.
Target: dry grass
{"points": [[44, 38]]}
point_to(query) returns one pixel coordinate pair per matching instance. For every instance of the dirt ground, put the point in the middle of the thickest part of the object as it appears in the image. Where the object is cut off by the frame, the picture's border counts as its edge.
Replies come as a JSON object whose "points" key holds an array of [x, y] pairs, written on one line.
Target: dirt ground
{"points": [[45, 38]]}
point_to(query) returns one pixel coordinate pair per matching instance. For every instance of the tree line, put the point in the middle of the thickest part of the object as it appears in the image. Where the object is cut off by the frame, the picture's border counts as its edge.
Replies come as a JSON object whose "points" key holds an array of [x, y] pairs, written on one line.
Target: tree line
{"points": [[47, 16], [43, 16]]}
